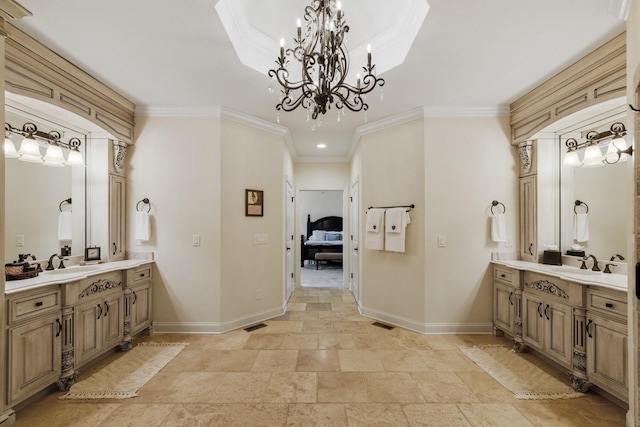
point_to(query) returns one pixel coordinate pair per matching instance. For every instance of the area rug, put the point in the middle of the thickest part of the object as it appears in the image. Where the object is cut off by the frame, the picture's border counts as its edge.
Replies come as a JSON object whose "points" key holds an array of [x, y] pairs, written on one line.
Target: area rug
{"points": [[518, 375], [122, 378], [327, 276]]}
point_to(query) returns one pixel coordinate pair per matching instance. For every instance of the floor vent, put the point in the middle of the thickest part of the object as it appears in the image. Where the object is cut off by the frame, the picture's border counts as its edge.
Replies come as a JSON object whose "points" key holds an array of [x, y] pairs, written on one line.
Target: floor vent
{"points": [[382, 325], [255, 327]]}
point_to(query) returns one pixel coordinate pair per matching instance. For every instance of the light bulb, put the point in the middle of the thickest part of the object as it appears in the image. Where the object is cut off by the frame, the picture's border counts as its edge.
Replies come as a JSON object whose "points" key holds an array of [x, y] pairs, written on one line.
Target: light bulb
{"points": [[10, 149], [29, 150]]}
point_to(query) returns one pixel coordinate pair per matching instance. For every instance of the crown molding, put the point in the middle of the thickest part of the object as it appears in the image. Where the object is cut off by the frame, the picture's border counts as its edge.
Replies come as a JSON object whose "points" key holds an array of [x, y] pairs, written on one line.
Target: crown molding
{"points": [[223, 113], [11, 10], [498, 111]]}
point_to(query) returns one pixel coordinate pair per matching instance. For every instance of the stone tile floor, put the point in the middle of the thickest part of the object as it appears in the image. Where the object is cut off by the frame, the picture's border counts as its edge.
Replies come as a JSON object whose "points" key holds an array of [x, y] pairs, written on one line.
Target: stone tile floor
{"points": [[321, 363]]}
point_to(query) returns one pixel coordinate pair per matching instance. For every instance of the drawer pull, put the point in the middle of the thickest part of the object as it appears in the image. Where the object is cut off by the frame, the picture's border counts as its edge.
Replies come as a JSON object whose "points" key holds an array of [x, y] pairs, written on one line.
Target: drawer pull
{"points": [[587, 328], [39, 304], [609, 305], [135, 297], [539, 313], [59, 327], [545, 312], [510, 298], [503, 275], [106, 309], [99, 312]]}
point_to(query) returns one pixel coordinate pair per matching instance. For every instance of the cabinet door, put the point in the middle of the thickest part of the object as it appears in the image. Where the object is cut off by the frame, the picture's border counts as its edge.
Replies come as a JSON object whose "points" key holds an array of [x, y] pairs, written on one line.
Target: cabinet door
{"points": [[558, 340], [116, 250], [141, 308], [607, 355], [112, 320], [34, 356], [88, 330], [503, 307], [528, 218], [533, 321]]}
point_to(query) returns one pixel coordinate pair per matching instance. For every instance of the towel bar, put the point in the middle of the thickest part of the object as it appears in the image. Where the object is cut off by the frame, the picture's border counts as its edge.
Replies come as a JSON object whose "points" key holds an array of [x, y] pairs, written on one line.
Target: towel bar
{"points": [[146, 202], [409, 207]]}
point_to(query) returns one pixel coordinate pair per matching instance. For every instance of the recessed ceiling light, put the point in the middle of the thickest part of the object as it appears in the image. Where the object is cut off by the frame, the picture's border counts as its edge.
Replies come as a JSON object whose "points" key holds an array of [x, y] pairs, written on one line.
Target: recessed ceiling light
{"points": [[321, 145]]}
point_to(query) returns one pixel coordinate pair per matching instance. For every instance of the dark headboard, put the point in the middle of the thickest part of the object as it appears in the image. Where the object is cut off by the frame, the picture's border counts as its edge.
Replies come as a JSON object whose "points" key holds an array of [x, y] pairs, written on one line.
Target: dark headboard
{"points": [[329, 223]]}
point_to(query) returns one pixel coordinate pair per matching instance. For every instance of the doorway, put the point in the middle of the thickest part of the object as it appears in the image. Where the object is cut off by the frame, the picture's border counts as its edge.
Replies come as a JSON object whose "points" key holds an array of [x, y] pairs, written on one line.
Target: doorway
{"points": [[320, 228]]}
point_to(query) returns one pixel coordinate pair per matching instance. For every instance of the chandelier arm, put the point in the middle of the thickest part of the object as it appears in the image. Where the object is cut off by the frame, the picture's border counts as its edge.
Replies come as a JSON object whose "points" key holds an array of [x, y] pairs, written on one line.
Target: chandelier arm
{"points": [[289, 104]]}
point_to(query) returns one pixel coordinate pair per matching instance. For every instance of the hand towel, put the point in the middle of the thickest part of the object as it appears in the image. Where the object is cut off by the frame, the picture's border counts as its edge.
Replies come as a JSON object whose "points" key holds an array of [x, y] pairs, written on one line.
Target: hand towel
{"points": [[143, 226], [395, 224], [374, 238], [581, 227], [498, 228], [65, 225]]}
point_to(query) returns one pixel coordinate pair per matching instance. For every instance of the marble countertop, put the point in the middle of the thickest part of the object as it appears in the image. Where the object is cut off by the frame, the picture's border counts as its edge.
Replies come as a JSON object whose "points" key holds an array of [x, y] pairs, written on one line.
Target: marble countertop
{"points": [[573, 274], [71, 274]]}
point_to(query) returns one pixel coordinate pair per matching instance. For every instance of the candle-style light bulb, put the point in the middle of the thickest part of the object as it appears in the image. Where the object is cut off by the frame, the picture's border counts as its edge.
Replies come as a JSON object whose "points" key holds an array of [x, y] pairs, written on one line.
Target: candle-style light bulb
{"points": [[299, 28], [282, 48], [358, 75], [369, 55]]}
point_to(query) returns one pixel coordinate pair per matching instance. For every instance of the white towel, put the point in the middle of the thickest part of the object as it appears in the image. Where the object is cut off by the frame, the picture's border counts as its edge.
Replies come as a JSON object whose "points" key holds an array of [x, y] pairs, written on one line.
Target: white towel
{"points": [[395, 224], [581, 227], [374, 238], [65, 225], [498, 228], [143, 227]]}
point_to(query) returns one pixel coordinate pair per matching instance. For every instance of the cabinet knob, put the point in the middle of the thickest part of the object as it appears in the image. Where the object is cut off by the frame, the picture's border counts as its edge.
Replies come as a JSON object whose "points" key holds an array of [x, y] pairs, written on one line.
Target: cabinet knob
{"points": [[503, 275]]}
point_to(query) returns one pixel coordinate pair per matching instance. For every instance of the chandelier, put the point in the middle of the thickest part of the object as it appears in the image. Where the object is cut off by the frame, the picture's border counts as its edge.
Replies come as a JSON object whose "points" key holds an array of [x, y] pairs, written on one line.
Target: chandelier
{"points": [[324, 62], [33, 139]]}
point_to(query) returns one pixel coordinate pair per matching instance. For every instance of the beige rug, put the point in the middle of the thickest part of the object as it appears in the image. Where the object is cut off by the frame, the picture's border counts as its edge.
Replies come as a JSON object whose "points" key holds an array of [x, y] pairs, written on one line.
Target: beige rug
{"points": [[122, 378], [518, 375]]}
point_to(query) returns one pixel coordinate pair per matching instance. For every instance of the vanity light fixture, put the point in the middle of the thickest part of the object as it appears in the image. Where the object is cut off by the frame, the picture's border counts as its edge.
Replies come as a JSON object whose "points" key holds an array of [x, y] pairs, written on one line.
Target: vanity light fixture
{"points": [[321, 146], [33, 139], [613, 139]]}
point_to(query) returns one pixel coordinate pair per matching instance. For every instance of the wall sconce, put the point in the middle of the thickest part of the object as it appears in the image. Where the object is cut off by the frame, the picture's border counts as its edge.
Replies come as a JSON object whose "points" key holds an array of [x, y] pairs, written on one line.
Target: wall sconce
{"points": [[613, 139], [33, 139]]}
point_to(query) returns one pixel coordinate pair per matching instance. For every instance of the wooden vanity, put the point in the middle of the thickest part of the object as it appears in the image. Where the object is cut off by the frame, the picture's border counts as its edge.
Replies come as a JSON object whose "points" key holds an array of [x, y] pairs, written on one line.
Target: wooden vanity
{"points": [[574, 318], [59, 322]]}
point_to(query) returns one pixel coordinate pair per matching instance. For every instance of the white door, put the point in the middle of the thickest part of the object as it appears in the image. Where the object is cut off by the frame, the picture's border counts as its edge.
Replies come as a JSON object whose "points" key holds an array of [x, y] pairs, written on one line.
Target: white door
{"points": [[354, 284], [289, 240]]}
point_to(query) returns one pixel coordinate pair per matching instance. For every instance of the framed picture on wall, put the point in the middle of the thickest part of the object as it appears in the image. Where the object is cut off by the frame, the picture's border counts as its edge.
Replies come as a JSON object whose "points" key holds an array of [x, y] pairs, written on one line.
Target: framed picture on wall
{"points": [[254, 205]]}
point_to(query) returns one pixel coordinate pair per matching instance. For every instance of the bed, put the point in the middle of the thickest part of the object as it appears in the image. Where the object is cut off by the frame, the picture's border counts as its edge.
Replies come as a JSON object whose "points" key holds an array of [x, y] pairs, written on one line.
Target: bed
{"points": [[313, 243]]}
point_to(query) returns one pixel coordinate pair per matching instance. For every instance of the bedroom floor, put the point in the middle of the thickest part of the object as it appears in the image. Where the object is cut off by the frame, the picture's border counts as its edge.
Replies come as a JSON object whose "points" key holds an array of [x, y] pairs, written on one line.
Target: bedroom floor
{"points": [[328, 275], [322, 363]]}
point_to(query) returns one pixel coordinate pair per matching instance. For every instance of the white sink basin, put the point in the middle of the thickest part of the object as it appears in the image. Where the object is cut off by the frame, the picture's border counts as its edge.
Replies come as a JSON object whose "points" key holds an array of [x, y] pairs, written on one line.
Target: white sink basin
{"points": [[573, 270], [72, 270]]}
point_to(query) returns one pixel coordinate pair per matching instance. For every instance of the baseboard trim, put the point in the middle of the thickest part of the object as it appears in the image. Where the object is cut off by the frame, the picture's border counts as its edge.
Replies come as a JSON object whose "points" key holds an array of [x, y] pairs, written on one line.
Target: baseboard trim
{"points": [[8, 418], [215, 327], [427, 328]]}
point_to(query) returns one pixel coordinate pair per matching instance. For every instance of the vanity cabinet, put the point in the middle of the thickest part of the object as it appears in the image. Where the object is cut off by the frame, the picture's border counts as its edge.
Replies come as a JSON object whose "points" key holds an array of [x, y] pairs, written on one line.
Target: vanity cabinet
{"points": [[33, 342], [607, 361], [528, 218], [117, 219], [99, 325], [139, 299], [507, 296], [548, 305]]}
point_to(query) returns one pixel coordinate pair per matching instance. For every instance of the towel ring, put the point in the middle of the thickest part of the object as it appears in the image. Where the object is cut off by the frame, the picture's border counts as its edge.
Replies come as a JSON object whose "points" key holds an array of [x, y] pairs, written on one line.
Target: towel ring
{"points": [[146, 202], [63, 202], [578, 203], [496, 203]]}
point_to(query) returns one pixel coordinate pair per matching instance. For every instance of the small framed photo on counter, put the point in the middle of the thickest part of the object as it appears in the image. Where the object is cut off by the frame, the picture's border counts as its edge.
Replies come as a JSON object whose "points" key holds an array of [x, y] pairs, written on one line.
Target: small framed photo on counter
{"points": [[254, 203], [92, 253]]}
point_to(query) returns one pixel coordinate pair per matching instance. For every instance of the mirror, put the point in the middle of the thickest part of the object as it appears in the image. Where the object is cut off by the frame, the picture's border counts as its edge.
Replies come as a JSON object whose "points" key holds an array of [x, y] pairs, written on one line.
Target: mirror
{"points": [[603, 189], [35, 194]]}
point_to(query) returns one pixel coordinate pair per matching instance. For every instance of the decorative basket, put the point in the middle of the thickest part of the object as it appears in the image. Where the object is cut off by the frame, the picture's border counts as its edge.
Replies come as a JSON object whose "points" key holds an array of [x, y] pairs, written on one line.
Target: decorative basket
{"points": [[13, 269], [24, 275]]}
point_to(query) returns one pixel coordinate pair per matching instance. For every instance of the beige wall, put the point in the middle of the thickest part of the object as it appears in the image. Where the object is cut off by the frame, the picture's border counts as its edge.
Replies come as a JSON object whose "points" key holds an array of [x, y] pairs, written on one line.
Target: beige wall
{"points": [[176, 163], [251, 158], [468, 163], [451, 169], [391, 172], [210, 288], [322, 176]]}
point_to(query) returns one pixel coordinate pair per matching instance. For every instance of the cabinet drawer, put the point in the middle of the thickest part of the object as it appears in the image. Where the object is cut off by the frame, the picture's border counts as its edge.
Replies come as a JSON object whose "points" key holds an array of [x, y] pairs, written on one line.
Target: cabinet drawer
{"points": [[606, 302], [33, 304], [142, 274], [502, 274]]}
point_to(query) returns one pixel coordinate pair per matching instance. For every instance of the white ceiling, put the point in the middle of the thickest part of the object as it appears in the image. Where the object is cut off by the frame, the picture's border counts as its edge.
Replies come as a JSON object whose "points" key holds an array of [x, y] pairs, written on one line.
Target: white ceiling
{"points": [[469, 56]]}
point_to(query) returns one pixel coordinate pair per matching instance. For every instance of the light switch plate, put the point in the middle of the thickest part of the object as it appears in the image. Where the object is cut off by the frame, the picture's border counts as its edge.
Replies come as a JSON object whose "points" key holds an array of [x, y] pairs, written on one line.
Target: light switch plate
{"points": [[195, 240], [20, 240], [442, 241]]}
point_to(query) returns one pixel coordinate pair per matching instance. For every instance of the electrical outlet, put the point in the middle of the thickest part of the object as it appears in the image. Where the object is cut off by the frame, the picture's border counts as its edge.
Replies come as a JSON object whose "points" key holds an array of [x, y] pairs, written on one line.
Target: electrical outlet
{"points": [[258, 293], [260, 239], [20, 240]]}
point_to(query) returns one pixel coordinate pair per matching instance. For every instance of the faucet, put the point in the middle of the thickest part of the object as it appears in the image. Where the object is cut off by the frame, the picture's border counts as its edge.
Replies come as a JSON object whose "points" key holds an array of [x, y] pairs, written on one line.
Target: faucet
{"points": [[606, 267], [50, 265], [595, 263]]}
